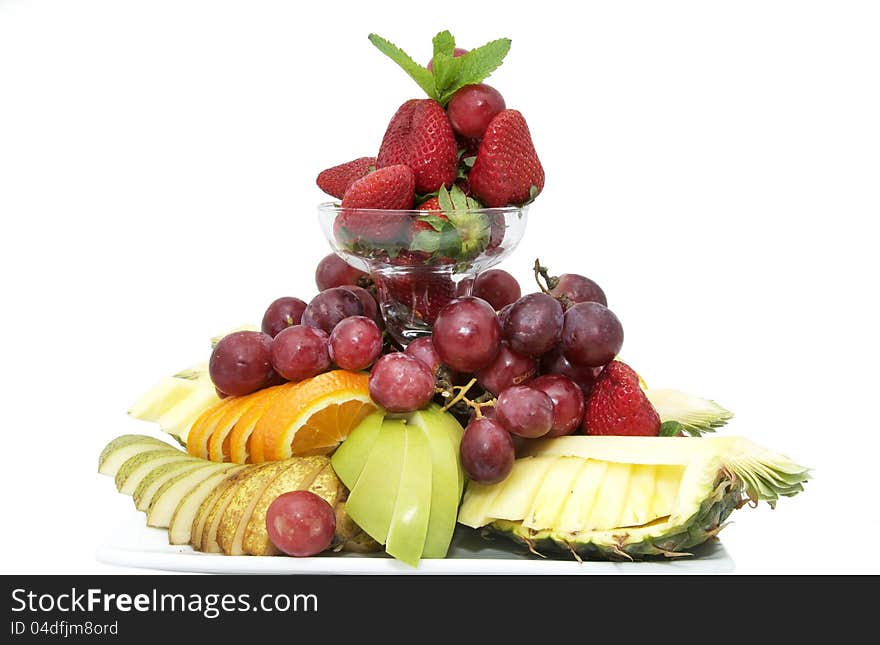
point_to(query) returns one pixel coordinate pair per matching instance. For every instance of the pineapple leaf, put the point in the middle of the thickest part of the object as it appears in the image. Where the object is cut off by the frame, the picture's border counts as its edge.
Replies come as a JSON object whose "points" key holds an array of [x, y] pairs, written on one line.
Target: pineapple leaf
{"points": [[419, 74]]}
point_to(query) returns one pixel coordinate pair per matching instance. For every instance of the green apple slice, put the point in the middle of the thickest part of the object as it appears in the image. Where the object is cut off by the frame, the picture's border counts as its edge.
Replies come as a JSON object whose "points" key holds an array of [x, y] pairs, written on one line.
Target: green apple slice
{"points": [[150, 484], [349, 459], [136, 468], [372, 500], [409, 524], [123, 448], [445, 478], [173, 490]]}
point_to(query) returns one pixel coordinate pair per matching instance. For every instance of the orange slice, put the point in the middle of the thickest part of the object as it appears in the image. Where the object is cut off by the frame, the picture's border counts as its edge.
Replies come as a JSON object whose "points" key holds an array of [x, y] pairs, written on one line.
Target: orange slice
{"points": [[218, 444], [312, 417], [203, 427], [239, 438]]}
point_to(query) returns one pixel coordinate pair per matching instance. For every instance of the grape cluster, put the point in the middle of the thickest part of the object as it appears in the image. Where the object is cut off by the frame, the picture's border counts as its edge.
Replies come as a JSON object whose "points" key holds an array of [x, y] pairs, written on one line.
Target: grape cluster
{"points": [[512, 367]]}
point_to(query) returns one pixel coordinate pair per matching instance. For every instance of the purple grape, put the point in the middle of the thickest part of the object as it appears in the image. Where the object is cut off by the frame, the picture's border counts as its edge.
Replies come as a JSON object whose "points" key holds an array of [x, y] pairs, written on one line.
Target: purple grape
{"points": [[241, 363], [534, 324], [423, 349], [555, 362], [400, 383], [507, 369], [300, 352], [371, 308], [281, 314], [592, 335], [333, 271], [577, 288], [568, 402], [331, 306], [497, 287], [487, 451], [355, 343], [525, 411], [467, 334]]}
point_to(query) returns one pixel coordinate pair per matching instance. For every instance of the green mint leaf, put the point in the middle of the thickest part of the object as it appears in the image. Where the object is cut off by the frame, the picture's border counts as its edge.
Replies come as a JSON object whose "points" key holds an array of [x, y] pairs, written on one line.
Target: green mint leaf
{"points": [[670, 429], [419, 74], [476, 65], [437, 223], [446, 66]]}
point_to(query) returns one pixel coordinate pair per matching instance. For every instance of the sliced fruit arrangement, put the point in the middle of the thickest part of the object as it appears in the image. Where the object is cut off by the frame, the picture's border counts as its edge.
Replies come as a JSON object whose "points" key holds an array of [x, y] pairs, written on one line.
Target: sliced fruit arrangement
{"points": [[628, 497], [405, 480], [221, 507], [317, 431]]}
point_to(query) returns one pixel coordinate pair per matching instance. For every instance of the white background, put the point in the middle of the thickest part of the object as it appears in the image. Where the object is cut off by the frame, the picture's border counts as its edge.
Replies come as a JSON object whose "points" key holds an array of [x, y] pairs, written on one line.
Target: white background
{"points": [[714, 166]]}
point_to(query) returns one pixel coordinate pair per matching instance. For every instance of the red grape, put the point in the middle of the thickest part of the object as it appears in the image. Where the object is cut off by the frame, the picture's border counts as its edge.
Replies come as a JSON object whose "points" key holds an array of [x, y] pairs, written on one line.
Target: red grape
{"points": [[371, 309], [301, 523], [355, 343], [472, 108], [592, 335], [400, 383], [555, 362], [300, 352], [330, 306], [281, 314], [241, 363], [507, 369], [333, 271], [487, 451], [497, 287], [568, 402], [503, 315], [467, 334], [578, 288], [534, 324], [423, 349], [525, 411], [456, 52]]}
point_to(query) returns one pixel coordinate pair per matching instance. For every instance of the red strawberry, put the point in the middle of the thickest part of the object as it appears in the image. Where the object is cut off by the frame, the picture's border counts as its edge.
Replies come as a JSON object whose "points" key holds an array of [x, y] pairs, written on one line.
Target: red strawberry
{"points": [[336, 180], [419, 136], [388, 189], [431, 205], [507, 165], [618, 406], [422, 293]]}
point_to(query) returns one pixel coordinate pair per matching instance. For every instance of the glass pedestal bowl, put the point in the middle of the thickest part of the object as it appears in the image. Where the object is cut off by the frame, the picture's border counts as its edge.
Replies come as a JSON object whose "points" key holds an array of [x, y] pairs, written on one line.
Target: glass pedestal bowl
{"points": [[420, 260]]}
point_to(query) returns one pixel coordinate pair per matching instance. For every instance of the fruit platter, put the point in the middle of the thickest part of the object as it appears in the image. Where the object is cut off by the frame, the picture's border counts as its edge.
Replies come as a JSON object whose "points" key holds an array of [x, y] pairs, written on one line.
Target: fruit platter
{"points": [[424, 406]]}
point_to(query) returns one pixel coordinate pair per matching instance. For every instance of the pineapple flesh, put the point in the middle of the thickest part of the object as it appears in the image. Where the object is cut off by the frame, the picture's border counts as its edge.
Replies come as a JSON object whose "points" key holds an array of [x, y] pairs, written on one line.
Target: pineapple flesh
{"points": [[628, 497]]}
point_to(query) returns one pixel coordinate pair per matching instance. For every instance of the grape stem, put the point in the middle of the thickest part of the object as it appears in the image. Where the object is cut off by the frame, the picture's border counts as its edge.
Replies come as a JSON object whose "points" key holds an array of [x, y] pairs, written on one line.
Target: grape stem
{"points": [[550, 283], [458, 394]]}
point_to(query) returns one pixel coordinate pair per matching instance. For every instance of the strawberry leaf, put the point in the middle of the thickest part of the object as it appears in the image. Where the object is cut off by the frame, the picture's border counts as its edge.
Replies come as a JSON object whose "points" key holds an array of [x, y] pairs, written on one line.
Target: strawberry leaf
{"points": [[445, 200], [419, 74], [437, 223]]}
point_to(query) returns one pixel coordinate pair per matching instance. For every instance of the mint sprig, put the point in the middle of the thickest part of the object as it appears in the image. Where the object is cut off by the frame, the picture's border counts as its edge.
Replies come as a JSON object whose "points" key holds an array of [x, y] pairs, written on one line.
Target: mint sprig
{"points": [[449, 74]]}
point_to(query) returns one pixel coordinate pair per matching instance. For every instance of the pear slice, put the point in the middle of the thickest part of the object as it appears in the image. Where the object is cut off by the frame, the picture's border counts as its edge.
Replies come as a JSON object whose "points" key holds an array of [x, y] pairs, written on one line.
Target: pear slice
{"points": [[235, 516], [299, 475], [172, 491], [135, 468], [371, 502], [143, 493], [349, 459], [180, 522], [123, 448], [209, 542], [203, 513], [409, 524], [445, 493]]}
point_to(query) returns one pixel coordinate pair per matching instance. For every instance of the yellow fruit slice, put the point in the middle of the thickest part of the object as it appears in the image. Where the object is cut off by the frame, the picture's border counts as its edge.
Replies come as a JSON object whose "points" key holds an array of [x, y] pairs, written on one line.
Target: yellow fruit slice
{"points": [[313, 417]]}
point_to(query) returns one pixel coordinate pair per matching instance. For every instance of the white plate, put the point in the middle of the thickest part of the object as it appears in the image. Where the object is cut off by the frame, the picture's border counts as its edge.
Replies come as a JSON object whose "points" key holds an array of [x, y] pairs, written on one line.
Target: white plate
{"points": [[131, 544]]}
